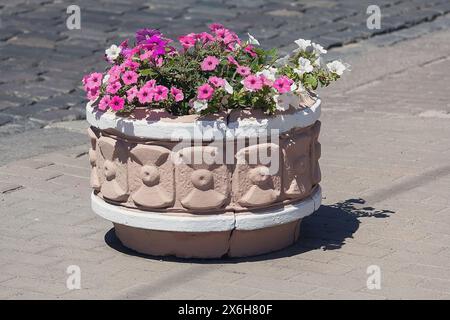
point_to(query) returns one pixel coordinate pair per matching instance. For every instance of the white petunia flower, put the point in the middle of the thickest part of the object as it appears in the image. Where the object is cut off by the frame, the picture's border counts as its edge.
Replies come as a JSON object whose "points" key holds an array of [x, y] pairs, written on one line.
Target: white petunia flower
{"points": [[302, 44], [113, 52], [284, 101], [200, 105], [105, 79], [227, 86], [252, 40], [317, 62], [304, 66], [336, 67], [268, 73], [318, 49]]}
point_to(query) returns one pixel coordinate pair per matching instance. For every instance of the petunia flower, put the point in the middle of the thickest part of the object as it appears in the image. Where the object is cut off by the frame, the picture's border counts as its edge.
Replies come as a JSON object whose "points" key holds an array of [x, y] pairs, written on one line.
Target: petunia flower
{"points": [[200, 105], [130, 77], [94, 80], [336, 67], [205, 92], [112, 53], [160, 93], [304, 66], [177, 94], [145, 95], [187, 41], [116, 103], [216, 81], [252, 40], [104, 102], [243, 70], [209, 63], [144, 34], [252, 83], [132, 93], [113, 87], [302, 44], [283, 84]]}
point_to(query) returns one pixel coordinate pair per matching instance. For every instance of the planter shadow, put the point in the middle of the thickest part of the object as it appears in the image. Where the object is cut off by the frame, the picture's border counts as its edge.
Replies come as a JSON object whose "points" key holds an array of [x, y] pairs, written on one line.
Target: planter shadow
{"points": [[326, 229]]}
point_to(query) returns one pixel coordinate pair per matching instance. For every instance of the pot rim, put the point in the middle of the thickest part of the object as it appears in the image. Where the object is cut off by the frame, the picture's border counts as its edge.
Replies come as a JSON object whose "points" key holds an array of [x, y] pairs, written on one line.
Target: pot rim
{"points": [[246, 124]]}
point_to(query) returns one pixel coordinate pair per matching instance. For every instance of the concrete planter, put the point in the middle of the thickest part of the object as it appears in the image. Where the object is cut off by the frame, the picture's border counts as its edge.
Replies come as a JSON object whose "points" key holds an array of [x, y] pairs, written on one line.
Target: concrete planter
{"points": [[148, 180]]}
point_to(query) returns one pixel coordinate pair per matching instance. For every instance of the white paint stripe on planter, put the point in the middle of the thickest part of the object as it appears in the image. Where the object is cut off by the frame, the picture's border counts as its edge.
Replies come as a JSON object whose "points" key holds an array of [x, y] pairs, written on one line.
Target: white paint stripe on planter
{"points": [[160, 221], [203, 130], [272, 217], [250, 127], [210, 223]]}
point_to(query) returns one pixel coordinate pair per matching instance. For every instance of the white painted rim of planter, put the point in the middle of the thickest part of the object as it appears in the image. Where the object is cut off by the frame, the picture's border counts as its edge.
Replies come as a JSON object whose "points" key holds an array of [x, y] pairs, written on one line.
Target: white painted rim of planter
{"points": [[206, 223], [203, 130]]}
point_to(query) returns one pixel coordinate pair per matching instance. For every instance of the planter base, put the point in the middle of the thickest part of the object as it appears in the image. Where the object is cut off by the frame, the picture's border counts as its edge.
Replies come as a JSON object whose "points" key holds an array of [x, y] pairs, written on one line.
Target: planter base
{"points": [[208, 236]]}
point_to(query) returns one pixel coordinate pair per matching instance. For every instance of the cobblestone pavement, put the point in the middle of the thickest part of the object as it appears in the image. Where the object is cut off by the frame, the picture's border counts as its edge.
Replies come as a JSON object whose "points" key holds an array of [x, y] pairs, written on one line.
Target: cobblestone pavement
{"points": [[42, 61], [386, 179]]}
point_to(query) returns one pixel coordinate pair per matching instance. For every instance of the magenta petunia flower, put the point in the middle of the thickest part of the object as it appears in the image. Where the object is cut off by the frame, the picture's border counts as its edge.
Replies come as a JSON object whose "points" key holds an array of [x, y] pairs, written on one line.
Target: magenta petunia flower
{"points": [[144, 34], [116, 103], [113, 87], [205, 92], [253, 83], [129, 77], [283, 84], [243, 70], [216, 81], [145, 95], [250, 51], [104, 103], [132, 65], [160, 93], [132, 93], [177, 94], [209, 63]]}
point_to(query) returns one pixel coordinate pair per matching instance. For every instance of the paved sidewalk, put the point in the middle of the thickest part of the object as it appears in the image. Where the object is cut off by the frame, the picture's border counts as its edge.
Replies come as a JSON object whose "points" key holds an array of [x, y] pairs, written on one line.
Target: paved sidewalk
{"points": [[386, 180], [44, 61]]}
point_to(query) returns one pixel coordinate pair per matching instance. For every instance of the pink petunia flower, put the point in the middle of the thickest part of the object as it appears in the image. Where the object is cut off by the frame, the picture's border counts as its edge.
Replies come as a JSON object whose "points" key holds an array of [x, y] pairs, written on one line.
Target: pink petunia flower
{"points": [[253, 83], [283, 84], [250, 51], [243, 70], [205, 92], [188, 40], [145, 95], [132, 65], [93, 93], [225, 35], [177, 94], [216, 81], [146, 55], [214, 26], [150, 84], [129, 77], [160, 93], [104, 103], [113, 87], [209, 63], [94, 80], [232, 60], [132, 93], [116, 103]]}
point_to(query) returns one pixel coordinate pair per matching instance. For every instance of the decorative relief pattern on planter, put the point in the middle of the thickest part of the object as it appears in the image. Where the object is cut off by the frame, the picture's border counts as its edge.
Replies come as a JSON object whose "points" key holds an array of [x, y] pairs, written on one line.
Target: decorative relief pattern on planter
{"points": [[202, 186], [257, 184], [150, 174], [297, 173], [316, 152], [94, 181], [113, 169]]}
